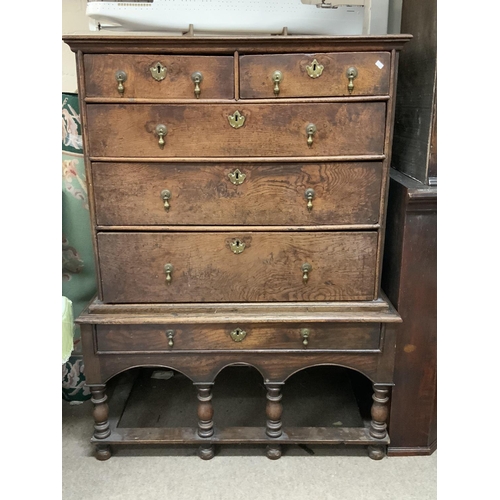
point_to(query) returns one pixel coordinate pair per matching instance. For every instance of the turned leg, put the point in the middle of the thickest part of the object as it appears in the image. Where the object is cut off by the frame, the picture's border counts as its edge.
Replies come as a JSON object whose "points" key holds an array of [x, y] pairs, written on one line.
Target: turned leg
{"points": [[378, 426], [274, 409], [205, 422], [101, 425]]}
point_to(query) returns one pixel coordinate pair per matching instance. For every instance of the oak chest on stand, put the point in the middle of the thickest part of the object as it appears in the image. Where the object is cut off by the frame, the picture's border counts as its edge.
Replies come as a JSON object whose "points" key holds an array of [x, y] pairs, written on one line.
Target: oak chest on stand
{"points": [[238, 191]]}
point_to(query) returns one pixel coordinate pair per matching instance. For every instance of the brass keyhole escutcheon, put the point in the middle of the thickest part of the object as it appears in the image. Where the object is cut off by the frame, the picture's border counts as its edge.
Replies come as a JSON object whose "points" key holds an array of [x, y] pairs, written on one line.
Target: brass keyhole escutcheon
{"points": [[310, 131], [165, 196], [197, 78], [161, 132], [169, 269], [351, 73], [309, 195], [236, 120], [237, 246], [304, 334], [315, 69], [306, 269], [277, 79], [121, 77], [158, 71], [170, 337], [238, 335], [237, 177]]}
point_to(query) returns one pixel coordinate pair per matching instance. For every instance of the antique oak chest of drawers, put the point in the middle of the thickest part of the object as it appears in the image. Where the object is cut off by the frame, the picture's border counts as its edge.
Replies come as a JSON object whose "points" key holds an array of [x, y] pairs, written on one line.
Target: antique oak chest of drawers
{"points": [[238, 192]]}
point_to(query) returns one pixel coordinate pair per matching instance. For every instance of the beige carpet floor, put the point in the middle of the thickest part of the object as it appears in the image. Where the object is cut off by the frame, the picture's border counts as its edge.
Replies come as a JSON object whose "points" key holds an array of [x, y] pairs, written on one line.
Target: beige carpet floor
{"points": [[236, 473]]}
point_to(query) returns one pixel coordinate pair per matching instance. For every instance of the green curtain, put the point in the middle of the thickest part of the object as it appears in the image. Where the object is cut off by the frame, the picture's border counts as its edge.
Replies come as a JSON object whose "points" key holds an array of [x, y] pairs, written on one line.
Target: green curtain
{"points": [[78, 272]]}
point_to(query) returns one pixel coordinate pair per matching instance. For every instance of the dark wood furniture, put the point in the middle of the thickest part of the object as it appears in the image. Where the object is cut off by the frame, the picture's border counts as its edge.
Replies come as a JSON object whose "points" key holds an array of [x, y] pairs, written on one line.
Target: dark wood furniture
{"points": [[238, 191], [409, 278]]}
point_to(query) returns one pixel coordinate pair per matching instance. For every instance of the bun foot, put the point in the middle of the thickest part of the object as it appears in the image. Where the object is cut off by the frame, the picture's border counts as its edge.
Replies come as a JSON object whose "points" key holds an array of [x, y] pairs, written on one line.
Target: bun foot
{"points": [[376, 452], [273, 451], [206, 452], [103, 452]]}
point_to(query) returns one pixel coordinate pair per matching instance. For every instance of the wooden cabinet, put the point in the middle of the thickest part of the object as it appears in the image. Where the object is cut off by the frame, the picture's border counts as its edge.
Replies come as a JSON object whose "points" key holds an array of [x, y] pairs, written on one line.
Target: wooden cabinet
{"points": [[238, 192]]}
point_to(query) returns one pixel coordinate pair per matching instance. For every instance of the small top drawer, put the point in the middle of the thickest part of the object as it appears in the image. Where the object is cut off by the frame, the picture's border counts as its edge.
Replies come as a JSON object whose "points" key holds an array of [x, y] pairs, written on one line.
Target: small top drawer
{"points": [[314, 75], [159, 76]]}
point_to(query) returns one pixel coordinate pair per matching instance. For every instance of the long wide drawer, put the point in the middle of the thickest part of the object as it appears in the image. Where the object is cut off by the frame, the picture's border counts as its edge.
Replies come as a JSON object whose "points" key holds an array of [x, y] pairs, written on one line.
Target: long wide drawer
{"points": [[237, 267], [133, 338], [314, 75], [236, 130], [158, 76], [128, 194]]}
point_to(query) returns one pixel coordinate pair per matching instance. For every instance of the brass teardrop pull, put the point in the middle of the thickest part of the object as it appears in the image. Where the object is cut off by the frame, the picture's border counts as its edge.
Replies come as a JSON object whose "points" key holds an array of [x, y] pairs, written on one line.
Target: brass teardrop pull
{"points": [[121, 77], [351, 73], [306, 269], [170, 337], [169, 269], [161, 132], [197, 78], [309, 195], [304, 333], [165, 196], [277, 79], [310, 131]]}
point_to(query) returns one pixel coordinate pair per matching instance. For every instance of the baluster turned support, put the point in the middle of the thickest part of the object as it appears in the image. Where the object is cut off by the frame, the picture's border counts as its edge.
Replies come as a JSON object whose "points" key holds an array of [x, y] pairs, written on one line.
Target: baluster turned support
{"points": [[274, 409], [378, 426], [101, 424], [205, 422]]}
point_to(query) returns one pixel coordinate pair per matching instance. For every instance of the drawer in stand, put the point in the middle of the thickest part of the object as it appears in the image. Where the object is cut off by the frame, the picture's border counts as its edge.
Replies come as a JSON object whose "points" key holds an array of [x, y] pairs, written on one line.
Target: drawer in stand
{"points": [[240, 336]]}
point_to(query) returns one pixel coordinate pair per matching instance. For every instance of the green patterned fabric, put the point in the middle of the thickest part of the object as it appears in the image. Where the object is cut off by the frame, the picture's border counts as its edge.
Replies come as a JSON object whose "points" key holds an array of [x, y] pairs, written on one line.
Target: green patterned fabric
{"points": [[78, 272]]}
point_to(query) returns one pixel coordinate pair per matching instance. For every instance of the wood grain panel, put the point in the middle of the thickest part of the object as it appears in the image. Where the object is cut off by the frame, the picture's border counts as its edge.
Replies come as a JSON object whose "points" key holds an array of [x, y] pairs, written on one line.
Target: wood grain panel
{"points": [[256, 74], [100, 69], [204, 130], [206, 270], [154, 338], [128, 194]]}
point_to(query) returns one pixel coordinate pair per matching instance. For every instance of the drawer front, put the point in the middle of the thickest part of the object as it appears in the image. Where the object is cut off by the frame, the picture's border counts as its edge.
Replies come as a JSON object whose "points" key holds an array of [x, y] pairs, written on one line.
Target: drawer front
{"points": [[204, 130], [174, 76], [237, 337], [128, 194], [302, 75], [237, 267]]}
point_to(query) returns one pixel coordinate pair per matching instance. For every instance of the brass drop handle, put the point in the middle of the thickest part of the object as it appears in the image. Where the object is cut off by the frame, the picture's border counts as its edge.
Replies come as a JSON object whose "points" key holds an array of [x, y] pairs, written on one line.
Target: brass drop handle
{"points": [[309, 195], [169, 269], [170, 337], [310, 131], [277, 79], [304, 333], [197, 78], [121, 77], [306, 269], [165, 196], [351, 73], [161, 132]]}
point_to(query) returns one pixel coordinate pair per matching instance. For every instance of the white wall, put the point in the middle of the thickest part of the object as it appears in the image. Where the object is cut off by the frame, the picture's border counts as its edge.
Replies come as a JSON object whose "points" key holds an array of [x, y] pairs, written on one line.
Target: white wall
{"points": [[73, 21]]}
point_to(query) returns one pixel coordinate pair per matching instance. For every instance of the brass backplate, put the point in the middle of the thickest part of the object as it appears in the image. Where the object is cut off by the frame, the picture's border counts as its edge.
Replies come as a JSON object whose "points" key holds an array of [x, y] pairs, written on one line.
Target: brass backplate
{"points": [[158, 71], [315, 69], [238, 335], [237, 177], [236, 120]]}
